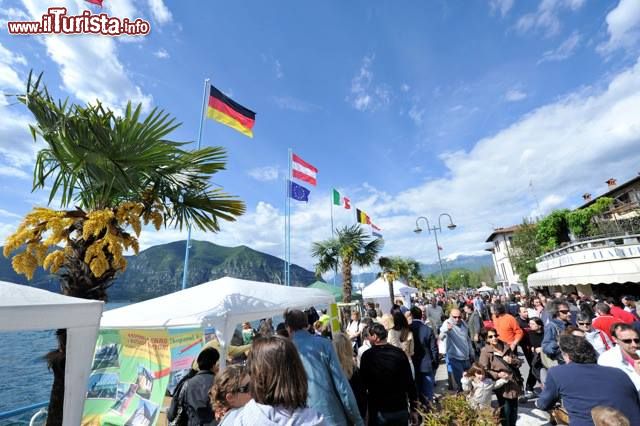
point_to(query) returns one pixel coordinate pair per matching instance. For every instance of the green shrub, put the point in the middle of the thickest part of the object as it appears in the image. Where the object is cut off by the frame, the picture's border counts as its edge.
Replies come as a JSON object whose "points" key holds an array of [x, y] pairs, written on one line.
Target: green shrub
{"points": [[454, 410]]}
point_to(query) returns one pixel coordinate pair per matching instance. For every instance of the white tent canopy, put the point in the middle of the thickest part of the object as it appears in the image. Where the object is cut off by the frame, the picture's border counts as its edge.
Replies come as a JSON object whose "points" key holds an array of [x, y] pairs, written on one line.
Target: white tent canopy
{"points": [[222, 304], [485, 288], [379, 292], [26, 308]]}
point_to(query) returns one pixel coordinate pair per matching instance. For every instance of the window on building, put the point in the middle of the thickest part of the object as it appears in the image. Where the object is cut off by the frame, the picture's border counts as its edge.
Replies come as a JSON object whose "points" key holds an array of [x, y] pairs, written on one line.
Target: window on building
{"points": [[497, 245], [510, 242], [504, 272]]}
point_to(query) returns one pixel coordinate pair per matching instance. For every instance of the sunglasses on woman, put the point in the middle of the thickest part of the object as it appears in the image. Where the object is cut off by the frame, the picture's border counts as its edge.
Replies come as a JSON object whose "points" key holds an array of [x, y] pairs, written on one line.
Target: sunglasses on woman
{"points": [[244, 389], [492, 336]]}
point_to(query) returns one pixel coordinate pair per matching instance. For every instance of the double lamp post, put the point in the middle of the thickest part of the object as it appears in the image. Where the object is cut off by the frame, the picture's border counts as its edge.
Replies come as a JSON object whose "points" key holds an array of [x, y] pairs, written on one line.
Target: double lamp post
{"points": [[435, 230]]}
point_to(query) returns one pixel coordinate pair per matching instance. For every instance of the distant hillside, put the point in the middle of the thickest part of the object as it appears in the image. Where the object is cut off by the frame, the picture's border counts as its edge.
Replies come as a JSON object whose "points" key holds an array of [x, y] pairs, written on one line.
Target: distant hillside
{"points": [[472, 263], [158, 270]]}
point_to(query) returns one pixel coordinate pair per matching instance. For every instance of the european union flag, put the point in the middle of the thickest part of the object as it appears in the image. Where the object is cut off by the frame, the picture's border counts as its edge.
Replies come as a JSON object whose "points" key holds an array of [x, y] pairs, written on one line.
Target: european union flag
{"points": [[298, 192]]}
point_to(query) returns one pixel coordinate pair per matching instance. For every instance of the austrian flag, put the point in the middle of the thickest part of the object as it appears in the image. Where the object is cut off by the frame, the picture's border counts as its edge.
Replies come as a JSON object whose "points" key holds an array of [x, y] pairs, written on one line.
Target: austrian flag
{"points": [[302, 170]]}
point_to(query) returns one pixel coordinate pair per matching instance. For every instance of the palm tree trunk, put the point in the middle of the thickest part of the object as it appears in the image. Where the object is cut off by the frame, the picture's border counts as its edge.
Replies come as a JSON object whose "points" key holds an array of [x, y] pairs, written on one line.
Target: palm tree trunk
{"points": [[390, 281], [56, 361], [76, 280], [346, 285]]}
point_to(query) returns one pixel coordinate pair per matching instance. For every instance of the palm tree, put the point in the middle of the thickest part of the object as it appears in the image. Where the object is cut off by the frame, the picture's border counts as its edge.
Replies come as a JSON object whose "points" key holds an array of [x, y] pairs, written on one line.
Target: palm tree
{"points": [[351, 246], [118, 173], [394, 268]]}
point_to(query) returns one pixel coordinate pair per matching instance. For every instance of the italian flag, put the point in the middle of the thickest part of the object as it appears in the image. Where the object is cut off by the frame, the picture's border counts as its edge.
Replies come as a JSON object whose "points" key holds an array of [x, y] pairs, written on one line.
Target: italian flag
{"points": [[340, 200]]}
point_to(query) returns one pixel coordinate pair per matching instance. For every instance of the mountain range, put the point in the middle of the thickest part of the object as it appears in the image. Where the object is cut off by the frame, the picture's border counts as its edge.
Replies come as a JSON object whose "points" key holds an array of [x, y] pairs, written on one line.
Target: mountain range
{"points": [[158, 270], [470, 262]]}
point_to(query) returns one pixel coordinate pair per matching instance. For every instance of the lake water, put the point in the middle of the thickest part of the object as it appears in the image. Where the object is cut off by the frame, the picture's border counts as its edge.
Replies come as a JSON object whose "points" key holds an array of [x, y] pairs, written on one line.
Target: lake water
{"points": [[24, 376]]}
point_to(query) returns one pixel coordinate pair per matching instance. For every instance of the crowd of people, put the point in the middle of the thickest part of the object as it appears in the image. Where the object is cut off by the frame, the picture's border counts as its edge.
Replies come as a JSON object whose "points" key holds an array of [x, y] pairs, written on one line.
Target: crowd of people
{"points": [[582, 355]]}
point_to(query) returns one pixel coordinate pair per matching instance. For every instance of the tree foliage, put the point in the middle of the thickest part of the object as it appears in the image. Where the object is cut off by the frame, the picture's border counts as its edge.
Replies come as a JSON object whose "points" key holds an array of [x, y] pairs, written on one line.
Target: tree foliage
{"points": [[553, 230], [120, 173], [352, 245], [394, 268], [525, 249], [581, 221]]}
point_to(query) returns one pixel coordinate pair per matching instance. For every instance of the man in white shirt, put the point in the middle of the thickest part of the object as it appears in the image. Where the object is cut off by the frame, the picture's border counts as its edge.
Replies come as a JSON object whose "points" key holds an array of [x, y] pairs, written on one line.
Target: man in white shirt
{"points": [[625, 355], [598, 339]]}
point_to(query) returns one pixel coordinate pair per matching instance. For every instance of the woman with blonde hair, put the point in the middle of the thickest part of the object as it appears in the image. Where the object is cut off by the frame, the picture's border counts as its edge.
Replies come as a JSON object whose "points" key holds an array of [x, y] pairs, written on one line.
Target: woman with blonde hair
{"points": [[279, 386], [607, 416], [230, 392], [344, 350]]}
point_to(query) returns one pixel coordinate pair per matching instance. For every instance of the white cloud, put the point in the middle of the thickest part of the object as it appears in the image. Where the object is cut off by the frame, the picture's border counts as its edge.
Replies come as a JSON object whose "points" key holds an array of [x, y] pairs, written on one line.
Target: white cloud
{"points": [[502, 6], [119, 8], [293, 104], [515, 95], [12, 14], [9, 78], [13, 172], [623, 27], [405, 87], [364, 95], [564, 51], [161, 54], [89, 65], [416, 114], [159, 11], [7, 213], [264, 174], [546, 18], [277, 68]]}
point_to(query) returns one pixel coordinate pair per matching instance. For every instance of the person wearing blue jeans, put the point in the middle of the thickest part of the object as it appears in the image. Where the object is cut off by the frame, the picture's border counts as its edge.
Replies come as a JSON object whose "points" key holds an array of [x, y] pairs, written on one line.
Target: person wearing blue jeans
{"points": [[460, 354], [425, 355]]}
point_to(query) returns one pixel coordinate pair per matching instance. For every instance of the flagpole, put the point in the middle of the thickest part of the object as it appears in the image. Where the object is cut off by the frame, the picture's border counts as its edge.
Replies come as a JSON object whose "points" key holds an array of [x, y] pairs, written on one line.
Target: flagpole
{"points": [[284, 256], [335, 271], [186, 250], [289, 226]]}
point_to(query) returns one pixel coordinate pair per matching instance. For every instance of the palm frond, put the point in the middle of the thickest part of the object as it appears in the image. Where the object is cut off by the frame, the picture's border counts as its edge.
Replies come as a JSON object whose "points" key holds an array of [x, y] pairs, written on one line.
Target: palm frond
{"points": [[95, 159]]}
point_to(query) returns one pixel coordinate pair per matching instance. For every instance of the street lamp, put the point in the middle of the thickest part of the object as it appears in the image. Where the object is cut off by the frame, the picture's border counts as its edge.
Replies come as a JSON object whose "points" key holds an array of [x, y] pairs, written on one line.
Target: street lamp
{"points": [[435, 230]]}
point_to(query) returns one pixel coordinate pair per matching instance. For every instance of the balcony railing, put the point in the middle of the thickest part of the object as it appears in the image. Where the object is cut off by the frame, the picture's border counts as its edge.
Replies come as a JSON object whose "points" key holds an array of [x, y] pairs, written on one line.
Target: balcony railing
{"points": [[591, 250]]}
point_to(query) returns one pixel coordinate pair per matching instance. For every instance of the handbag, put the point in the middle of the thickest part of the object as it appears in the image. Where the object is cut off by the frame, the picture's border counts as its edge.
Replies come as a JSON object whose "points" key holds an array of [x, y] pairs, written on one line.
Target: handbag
{"points": [[547, 362]]}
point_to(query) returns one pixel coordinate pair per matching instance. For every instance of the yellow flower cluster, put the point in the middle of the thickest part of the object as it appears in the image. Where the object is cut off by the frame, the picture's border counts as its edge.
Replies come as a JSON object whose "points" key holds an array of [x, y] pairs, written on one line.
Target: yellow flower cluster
{"points": [[41, 222], [54, 260], [43, 228]]}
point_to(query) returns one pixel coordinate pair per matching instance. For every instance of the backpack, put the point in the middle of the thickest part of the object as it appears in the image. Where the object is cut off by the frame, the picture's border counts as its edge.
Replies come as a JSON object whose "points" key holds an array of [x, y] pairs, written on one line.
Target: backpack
{"points": [[177, 414]]}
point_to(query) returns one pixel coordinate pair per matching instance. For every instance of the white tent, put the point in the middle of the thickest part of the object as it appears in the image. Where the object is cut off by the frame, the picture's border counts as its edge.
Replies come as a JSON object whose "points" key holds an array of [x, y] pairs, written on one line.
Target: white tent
{"points": [[485, 288], [27, 308], [378, 291], [222, 304]]}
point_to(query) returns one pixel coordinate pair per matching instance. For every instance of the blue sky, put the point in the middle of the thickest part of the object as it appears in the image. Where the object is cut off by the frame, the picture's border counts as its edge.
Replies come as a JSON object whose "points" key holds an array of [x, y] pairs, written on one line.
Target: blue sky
{"points": [[409, 108]]}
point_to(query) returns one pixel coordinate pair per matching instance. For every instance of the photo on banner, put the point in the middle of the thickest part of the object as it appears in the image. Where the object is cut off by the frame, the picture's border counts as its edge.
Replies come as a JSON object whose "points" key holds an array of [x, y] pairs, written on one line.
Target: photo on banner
{"points": [[129, 378]]}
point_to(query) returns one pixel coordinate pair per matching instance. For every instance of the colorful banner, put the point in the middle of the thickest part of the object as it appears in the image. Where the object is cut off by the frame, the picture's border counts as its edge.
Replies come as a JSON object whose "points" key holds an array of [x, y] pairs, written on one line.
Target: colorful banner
{"points": [[129, 378], [185, 345], [334, 319]]}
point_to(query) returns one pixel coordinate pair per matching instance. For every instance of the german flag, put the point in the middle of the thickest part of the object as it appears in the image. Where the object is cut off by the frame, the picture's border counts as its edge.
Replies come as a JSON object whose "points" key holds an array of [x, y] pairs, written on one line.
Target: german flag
{"points": [[227, 111]]}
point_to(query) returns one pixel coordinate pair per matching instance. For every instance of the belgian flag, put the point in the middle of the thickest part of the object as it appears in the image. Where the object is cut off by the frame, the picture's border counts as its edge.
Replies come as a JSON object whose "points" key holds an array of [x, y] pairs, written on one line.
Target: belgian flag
{"points": [[362, 217], [227, 111]]}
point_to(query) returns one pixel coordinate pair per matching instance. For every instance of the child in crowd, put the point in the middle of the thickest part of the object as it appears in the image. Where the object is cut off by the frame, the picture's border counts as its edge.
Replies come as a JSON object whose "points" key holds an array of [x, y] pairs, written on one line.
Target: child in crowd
{"points": [[480, 386]]}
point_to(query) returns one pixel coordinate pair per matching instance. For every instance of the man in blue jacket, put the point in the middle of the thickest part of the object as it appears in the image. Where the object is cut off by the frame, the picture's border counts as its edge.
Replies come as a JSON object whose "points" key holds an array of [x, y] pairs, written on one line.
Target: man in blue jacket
{"points": [[560, 314], [581, 384], [329, 391], [425, 355]]}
